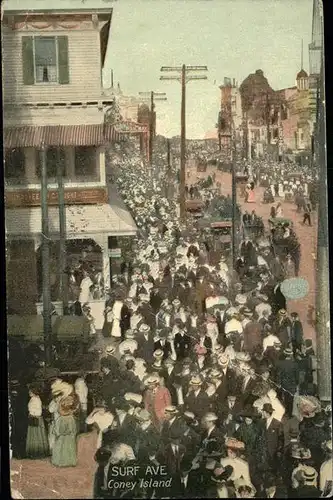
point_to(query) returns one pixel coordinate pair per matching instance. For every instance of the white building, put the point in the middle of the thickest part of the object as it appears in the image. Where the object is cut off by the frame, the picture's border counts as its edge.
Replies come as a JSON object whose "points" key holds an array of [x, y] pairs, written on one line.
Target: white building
{"points": [[52, 87]]}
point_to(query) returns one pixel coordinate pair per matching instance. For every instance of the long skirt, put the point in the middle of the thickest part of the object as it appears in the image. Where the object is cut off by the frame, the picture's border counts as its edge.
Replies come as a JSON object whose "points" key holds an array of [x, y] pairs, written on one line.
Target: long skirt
{"points": [[37, 445]]}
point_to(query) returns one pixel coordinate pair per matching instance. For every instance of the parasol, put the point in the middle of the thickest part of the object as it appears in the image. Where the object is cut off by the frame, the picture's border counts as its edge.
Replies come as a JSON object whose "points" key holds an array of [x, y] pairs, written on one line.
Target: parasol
{"points": [[295, 288]]}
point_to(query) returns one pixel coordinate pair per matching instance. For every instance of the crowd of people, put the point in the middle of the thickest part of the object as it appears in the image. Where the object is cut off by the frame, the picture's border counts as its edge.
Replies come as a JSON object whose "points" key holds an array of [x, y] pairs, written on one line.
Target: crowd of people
{"points": [[205, 376]]}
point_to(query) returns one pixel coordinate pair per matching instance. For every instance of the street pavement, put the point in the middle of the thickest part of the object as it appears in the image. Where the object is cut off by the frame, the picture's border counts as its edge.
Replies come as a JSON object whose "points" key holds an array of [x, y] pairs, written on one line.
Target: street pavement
{"points": [[307, 237], [40, 479]]}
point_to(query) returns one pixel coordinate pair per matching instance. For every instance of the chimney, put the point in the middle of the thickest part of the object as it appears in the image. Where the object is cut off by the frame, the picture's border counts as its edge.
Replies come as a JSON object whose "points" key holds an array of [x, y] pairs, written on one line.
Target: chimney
{"points": [[112, 78]]}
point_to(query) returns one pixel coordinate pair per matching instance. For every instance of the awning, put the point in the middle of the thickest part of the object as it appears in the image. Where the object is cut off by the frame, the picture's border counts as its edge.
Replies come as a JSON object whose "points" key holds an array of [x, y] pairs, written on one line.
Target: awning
{"points": [[60, 135], [113, 220], [32, 327]]}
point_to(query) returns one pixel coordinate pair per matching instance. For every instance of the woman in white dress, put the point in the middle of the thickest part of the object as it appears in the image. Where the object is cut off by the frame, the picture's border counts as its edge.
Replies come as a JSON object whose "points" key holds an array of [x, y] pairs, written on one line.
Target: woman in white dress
{"points": [[86, 283], [279, 211], [116, 311]]}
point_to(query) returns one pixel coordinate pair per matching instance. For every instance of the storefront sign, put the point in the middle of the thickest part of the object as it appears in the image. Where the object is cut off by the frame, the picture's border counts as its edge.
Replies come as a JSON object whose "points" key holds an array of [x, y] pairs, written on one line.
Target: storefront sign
{"points": [[77, 196], [115, 253]]}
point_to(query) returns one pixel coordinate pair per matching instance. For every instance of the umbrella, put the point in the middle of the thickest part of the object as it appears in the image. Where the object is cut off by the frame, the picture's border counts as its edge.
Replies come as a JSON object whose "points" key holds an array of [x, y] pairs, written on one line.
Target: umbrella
{"points": [[295, 288]]}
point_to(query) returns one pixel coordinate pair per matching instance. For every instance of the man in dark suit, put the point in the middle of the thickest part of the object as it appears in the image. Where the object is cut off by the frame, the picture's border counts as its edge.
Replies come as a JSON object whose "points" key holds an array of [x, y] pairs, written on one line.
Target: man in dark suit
{"points": [[125, 320], [196, 400], [212, 438], [182, 344], [273, 434], [287, 376], [162, 343], [172, 456], [148, 438], [145, 342], [155, 300], [296, 332], [173, 424], [169, 375]]}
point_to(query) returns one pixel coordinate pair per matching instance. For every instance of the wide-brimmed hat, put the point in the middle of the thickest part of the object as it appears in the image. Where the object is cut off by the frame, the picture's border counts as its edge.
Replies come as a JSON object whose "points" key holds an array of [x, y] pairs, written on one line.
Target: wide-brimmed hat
{"points": [[223, 360], [171, 410], [158, 354], [282, 312], [110, 349], [129, 335], [246, 311], [144, 328], [301, 453], [222, 474], [242, 483], [268, 408], [152, 379], [143, 415], [131, 397], [288, 351], [210, 417], [240, 299], [244, 357], [215, 374], [309, 474], [196, 380]]}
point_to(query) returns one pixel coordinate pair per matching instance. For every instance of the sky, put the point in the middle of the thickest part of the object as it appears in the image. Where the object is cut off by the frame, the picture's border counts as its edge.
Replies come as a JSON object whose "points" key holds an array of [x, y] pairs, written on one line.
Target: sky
{"points": [[232, 38]]}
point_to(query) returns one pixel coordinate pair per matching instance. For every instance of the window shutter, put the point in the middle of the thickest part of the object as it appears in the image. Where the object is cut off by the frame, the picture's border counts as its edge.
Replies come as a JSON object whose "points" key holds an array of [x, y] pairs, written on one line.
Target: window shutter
{"points": [[63, 59], [28, 60]]}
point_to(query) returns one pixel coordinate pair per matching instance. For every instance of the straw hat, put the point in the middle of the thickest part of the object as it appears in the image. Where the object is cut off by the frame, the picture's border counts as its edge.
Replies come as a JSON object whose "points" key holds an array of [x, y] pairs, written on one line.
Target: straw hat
{"points": [[210, 417], [152, 379], [282, 312], [171, 410], [223, 360], [144, 328], [110, 349], [241, 483], [196, 380], [143, 415], [301, 453], [158, 354], [131, 397], [129, 335], [309, 475]]}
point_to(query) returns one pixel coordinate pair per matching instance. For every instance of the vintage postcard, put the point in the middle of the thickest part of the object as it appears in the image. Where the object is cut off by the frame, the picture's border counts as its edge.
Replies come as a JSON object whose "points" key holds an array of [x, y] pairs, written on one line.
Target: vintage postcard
{"points": [[167, 265]]}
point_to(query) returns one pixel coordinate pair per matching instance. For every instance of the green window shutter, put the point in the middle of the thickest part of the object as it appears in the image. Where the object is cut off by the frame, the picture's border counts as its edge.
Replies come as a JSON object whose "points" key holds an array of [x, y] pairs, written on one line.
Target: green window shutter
{"points": [[28, 60], [63, 59]]}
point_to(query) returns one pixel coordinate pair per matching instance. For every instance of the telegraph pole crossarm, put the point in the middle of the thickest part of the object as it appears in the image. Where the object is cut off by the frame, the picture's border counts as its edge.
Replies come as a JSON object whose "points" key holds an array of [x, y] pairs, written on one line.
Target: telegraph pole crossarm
{"points": [[183, 77]]}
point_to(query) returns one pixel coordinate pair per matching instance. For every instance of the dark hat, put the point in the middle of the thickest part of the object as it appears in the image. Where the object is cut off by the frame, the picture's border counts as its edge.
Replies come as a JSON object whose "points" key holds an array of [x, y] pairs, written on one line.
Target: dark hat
{"points": [[249, 412], [222, 474], [268, 408]]}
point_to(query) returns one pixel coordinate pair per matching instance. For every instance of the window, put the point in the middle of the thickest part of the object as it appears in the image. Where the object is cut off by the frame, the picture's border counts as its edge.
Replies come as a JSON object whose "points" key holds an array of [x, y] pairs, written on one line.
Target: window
{"points": [[85, 163], [15, 164], [54, 156], [45, 59]]}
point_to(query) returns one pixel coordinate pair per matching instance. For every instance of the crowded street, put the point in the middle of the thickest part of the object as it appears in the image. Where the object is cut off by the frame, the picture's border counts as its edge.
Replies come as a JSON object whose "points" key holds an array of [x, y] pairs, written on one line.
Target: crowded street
{"points": [[167, 272]]}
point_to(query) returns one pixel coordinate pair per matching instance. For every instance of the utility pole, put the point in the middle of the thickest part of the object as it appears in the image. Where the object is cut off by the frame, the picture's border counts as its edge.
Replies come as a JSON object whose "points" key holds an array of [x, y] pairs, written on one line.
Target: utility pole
{"points": [[322, 274], [153, 96], [63, 295], [184, 76], [47, 323], [233, 194], [169, 169]]}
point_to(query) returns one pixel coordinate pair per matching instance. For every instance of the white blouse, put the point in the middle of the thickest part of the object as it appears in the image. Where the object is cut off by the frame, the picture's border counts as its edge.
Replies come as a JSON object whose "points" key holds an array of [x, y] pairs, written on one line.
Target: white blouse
{"points": [[35, 406]]}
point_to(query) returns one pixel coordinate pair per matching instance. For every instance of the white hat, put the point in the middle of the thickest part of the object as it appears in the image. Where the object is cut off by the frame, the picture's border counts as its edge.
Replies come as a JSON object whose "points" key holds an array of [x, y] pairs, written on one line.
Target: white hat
{"points": [[241, 483], [171, 410], [131, 396], [110, 349], [129, 334], [144, 328], [152, 379], [195, 380], [210, 417], [240, 299], [329, 445], [143, 415], [158, 354], [223, 359]]}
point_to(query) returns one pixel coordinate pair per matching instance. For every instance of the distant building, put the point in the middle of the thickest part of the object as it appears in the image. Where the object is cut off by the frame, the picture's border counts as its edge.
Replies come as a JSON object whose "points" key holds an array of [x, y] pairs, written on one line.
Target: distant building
{"points": [[230, 115], [261, 109], [296, 115]]}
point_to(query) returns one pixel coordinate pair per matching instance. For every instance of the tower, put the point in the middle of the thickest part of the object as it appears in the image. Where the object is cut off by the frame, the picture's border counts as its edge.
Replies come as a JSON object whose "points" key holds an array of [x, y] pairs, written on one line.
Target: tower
{"points": [[315, 54], [302, 78]]}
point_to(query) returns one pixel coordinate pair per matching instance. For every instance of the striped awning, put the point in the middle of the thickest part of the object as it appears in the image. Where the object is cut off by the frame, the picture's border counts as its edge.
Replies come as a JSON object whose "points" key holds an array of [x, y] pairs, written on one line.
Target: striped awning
{"points": [[60, 135]]}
